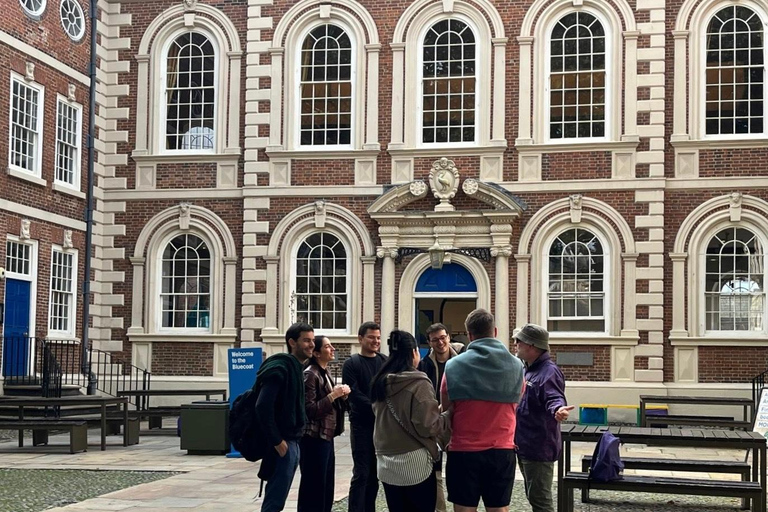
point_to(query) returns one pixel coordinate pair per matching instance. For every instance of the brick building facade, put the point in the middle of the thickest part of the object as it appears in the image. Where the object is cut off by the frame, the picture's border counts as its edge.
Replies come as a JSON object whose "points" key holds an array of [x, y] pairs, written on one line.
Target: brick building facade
{"points": [[594, 166]]}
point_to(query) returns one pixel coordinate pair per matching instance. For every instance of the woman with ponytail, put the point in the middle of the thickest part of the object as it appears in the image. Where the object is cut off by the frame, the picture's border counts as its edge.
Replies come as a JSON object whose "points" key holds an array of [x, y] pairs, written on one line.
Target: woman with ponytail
{"points": [[408, 424], [325, 405]]}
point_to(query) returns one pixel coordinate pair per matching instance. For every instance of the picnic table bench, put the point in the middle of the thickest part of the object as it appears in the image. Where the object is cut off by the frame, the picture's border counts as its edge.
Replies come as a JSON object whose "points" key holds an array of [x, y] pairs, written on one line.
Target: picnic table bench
{"points": [[752, 489], [747, 405], [102, 402], [155, 415], [78, 431]]}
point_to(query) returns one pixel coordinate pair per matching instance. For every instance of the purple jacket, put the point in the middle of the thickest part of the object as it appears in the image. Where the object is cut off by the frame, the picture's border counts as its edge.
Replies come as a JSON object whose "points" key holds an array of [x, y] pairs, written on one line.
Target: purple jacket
{"points": [[538, 433]]}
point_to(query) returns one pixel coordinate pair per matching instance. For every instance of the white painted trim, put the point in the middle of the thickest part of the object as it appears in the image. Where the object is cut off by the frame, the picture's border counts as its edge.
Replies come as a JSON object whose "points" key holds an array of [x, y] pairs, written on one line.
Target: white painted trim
{"points": [[735, 341], [63, 186], [28, 211], [182, 337], [410, 276], [71, 332], [42, 57], [14, 170]]}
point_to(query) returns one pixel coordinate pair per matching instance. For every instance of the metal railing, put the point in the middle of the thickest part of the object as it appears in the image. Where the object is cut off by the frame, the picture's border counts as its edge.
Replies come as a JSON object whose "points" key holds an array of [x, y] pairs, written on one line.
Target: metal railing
{"points": [[52, 364], [110, 375], [758, 383]]}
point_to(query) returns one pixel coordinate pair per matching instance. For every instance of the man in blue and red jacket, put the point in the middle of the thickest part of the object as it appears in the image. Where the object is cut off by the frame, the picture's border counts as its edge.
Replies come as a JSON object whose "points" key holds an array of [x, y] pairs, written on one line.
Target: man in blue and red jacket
{"points": [[542, 408]]}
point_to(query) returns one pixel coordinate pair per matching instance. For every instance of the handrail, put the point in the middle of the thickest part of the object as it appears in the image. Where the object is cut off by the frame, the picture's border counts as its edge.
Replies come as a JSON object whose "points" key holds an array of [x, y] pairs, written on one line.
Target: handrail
{"points": [[758, 383], [53, 363]]}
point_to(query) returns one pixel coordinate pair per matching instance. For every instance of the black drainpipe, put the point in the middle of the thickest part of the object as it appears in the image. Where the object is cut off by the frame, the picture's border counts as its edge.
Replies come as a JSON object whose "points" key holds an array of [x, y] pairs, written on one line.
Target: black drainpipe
{"points": [[86, 370]]}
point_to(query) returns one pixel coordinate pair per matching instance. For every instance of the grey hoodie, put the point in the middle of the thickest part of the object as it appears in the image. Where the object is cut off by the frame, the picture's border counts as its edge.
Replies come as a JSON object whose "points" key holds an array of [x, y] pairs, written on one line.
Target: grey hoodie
{"points": [[413, 399]]}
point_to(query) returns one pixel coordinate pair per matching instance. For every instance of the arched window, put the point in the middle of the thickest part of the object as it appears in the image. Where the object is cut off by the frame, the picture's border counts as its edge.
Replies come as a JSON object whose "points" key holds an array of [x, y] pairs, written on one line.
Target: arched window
{"points": [[321, 288], [734, 286], [576, 297], [185, 295], [326, 87], [448, 83], [735, 72], [577, 77], [190, 93]]}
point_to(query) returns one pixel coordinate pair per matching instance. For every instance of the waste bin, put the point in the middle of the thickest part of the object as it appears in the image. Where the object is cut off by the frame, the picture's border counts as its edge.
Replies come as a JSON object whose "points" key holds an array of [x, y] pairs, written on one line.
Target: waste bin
{"points": [[205, 427]]}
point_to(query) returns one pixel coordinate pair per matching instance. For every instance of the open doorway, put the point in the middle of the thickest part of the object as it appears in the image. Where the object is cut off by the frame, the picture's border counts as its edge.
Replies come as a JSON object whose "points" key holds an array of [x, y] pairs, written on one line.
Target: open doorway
{"points": [[445, 295]]}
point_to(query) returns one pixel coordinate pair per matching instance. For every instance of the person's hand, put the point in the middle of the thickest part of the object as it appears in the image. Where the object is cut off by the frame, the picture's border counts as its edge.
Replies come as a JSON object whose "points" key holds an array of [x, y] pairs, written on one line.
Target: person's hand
{"points": [[282, 448], [562, 413], [339, 391]]}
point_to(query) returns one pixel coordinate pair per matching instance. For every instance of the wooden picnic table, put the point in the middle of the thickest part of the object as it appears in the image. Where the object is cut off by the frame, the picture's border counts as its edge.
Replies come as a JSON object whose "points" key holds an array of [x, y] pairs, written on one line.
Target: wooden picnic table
{"points": [[101, 401], [699, 438], [747, 404]]}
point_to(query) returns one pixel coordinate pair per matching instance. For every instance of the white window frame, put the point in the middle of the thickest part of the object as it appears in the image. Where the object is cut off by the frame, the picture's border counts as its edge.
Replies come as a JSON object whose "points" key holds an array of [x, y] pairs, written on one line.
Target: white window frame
{"points": [[79, 8], [293, 276], [701, 70], [77, 160], [157, 291], [38, 165], [36, 15], [295, 95], [608, 280], [610, 108], [72, 294], [163, 95], [480, 81], [700, 283]]}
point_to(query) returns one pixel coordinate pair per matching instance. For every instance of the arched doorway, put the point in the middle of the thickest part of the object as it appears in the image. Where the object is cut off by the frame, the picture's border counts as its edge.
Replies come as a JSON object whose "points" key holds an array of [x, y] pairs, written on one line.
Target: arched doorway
{"points": [[445, 295]]}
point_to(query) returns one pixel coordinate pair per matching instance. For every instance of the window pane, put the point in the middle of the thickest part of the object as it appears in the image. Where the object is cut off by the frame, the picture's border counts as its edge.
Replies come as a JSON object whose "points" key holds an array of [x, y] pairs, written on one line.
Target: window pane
{"points": [[185, 293], [577, 72], [323, 299]]}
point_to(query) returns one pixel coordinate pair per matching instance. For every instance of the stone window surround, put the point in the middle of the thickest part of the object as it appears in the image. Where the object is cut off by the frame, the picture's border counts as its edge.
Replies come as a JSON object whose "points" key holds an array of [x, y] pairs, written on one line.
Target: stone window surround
{"points": [[35, 175], [284, 241], [151, 61], [490, 54], [619, 267], [695, 232], [533, 142], [145, 320], [288, 38], [70, 333], [688, 136]]}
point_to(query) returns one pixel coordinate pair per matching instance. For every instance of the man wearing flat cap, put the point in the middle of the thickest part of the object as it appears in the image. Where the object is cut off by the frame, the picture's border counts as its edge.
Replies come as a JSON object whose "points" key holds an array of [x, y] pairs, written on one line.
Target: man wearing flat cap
{"points": [[541, 410]]}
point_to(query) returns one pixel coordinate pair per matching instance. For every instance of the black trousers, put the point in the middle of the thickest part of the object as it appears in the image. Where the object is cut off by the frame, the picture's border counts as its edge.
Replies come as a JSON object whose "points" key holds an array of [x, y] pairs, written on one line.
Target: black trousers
{"points": [[317, 464], [412, 498], [364, 485]]}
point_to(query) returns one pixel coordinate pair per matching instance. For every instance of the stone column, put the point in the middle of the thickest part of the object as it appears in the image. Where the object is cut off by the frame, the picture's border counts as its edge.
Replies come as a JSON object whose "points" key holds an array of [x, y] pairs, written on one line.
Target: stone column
{"points": [[502, 255], [230, 276], [369, 292], [137, 302], [629, 323], [270, 322], [499, 67], [388, 254], [523, 269], [524, 90], [678, 295], [679, 115]]}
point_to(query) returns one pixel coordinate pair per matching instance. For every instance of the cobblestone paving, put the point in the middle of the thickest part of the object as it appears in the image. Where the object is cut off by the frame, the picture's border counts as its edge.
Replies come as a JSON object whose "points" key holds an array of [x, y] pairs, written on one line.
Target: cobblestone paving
{"points": [[32, 490], [605, 501]]}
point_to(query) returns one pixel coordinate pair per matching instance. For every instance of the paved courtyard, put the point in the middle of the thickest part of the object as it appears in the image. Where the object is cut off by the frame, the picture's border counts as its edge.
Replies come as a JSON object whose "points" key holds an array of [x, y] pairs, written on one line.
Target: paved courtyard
{"points": [[205, 483]]}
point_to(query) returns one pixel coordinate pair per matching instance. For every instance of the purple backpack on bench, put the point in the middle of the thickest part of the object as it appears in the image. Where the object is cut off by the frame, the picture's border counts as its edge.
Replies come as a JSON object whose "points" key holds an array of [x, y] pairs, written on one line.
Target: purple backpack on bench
{"points": [[606, 461]]}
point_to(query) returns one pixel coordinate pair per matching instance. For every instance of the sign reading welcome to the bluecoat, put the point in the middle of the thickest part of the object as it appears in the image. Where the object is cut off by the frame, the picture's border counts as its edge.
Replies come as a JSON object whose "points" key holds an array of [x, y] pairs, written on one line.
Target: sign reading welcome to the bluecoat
{"points": [[243, 365]]}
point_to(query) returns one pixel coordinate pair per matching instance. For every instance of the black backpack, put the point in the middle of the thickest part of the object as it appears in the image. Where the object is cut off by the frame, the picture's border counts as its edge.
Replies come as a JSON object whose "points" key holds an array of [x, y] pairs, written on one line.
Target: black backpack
{"points": [[245, 432]]}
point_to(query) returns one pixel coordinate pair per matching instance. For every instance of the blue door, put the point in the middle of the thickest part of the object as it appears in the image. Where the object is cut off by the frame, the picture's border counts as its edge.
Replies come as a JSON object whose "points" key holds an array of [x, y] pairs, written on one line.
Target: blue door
{"points": [[16, 328]]}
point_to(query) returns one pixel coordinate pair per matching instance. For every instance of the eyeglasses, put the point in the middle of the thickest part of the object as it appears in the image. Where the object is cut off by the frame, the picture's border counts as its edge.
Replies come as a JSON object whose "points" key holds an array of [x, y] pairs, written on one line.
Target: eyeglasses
{"points": [[442, 338]]}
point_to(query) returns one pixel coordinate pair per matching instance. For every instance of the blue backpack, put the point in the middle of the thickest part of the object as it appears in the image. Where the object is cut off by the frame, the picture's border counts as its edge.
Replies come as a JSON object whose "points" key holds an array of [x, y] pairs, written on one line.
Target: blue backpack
{"points": [[606, 461]]}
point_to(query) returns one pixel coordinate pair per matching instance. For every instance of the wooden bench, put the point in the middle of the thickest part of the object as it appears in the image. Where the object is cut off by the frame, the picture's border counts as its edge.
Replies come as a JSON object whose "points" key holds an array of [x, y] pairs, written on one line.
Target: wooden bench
{"points": [[155, 415], [78, 431], [664, 485], [698, 421], [602, 412], [705, 466]]}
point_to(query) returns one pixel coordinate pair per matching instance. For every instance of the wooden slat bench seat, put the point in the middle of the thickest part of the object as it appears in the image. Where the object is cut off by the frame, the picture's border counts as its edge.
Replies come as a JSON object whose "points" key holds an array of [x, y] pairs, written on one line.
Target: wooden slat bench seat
{"points": [[78, 431], [155, 415], [663, 485], [698, 421], [704, 466]]}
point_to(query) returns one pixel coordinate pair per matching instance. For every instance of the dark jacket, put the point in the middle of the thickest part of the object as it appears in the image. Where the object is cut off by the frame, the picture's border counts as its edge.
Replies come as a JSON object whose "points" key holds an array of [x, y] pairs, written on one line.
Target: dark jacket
{"points": [[358, 376], [281, 400], [325, 417], [538, 433], [428, 365]]}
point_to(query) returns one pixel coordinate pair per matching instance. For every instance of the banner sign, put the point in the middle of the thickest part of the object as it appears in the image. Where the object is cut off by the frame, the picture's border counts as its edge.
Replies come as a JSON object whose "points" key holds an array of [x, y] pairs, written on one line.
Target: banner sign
{"points": [[243, 365]]}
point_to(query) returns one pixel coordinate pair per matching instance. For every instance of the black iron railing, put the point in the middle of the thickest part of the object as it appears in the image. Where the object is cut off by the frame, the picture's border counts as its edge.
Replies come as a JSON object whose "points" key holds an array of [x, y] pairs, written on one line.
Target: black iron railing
{"points": [[110, 375], [758, 383], [52, 364]]}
